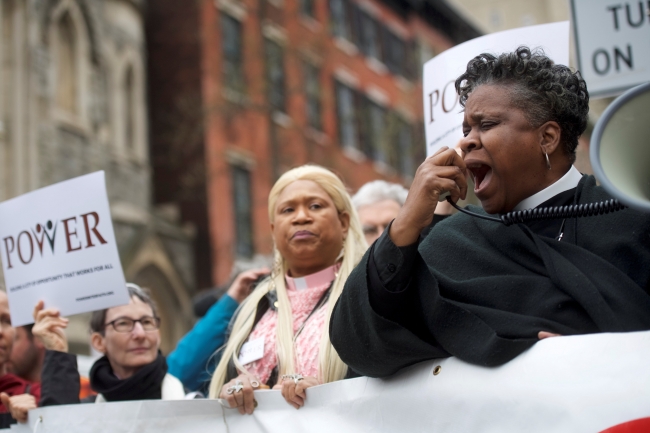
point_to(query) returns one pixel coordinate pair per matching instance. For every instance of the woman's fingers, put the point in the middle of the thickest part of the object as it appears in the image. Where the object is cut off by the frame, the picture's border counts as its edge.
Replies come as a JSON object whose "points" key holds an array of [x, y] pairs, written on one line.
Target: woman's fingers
{"points": [[302, 386], [49, 328], [256, 273], [232, 401], [39, 306], [242, 285], [445, 184], [239, 401], [239, 393], [441, 172], [248, 396], [48, 312], [450, 165], [289, 393], [544, 334], [53, 323], [300, 389], [4, 397], [19, 405], [229, 396]]}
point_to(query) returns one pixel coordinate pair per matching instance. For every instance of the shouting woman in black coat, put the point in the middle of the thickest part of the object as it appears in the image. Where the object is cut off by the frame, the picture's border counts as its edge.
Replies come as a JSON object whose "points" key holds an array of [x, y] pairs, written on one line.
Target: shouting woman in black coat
{"points": [[479, 290]]}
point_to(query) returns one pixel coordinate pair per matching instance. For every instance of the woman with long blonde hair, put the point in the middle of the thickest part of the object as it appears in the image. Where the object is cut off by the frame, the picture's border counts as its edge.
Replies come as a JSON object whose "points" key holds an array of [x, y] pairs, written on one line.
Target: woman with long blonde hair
{"points": [[280, 336]]}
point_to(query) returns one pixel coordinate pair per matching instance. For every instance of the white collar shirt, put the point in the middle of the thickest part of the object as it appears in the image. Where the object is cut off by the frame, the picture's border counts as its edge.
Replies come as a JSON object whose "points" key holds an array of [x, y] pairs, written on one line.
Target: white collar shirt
{"points": [[568, 181]]}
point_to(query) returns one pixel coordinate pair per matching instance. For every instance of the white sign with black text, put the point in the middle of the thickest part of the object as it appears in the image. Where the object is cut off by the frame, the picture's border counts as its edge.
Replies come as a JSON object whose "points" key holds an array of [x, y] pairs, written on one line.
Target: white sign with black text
{"points": [[443, 117], [57, 245], [613, 43]]}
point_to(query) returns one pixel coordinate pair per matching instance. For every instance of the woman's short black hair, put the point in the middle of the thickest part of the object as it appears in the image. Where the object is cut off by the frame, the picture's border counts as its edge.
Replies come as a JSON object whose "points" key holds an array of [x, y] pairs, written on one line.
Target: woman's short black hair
{"points": [[98, 317], [543, 90]]}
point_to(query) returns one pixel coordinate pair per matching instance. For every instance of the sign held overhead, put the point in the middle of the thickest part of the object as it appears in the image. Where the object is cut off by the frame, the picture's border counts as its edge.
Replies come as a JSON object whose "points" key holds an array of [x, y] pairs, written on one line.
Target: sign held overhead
{"points": [[443, 115], [613, 43], [57, 245]]}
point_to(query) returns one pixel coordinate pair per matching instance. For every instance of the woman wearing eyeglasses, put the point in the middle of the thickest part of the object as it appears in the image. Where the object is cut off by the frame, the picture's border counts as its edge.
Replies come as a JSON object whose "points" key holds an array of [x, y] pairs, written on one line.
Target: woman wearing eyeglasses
{"points": [[132, 367]]}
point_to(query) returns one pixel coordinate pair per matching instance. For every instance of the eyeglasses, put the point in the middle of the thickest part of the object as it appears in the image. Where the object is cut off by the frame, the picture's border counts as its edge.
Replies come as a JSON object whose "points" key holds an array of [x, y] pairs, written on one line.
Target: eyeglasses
{"points": [[374, 229], [370, 230], [124, 324]]}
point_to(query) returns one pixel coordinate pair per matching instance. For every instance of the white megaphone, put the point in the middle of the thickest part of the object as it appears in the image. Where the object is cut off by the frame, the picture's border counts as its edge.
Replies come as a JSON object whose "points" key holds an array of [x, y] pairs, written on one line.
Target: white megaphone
{"points": [[620, 148]]}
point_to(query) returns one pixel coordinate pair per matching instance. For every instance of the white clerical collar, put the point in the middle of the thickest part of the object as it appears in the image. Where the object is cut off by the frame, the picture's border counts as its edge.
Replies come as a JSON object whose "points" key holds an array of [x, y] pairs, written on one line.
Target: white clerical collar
{"points": [[568, 181]]}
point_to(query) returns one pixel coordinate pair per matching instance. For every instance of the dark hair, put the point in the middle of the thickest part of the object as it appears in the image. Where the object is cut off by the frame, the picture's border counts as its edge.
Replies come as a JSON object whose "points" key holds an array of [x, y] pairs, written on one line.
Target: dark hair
{"points": [[98, 317], [28, 329], [543, 90]]}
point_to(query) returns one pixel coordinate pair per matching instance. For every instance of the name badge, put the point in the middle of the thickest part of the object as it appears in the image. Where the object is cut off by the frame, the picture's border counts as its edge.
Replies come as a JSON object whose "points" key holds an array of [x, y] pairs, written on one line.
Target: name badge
{"points": [[252, 351]]}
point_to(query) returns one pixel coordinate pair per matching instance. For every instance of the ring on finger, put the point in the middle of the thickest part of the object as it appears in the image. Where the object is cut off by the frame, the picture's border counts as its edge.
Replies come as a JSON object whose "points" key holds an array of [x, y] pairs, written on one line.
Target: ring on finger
{"points": [[297, 378], [255, 383], [237, 387]]}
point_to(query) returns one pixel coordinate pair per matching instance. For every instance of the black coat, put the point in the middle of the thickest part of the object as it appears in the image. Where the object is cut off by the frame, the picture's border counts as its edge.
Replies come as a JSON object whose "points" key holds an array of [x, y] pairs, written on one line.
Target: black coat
{"points": [[60, 380], [482, 291]]}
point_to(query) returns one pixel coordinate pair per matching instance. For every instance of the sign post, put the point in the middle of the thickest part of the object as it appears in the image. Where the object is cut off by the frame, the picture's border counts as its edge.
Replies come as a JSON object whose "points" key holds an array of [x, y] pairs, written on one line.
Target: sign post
{"points": [[443, 117], [613, 44], [57, 245]]}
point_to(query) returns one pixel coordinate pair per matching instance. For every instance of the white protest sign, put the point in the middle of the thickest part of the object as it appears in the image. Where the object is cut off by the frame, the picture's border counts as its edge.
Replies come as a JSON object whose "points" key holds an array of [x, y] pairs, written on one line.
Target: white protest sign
{"points": [[613, 43], [580, 384], [442, 113], [57, 245]]}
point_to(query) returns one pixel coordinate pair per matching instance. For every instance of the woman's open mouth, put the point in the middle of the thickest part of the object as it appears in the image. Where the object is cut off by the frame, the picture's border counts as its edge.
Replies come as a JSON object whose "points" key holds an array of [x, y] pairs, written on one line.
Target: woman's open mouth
{"points": [[481, 173]]}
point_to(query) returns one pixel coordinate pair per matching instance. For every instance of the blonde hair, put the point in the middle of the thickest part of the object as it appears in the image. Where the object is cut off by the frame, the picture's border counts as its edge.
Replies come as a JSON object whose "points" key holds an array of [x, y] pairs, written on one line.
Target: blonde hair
{"points": [[331, 367]]}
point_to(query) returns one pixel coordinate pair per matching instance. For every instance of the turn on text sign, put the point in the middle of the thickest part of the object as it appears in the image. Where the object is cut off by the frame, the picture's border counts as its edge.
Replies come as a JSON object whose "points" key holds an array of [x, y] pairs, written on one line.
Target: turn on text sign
{"points": [[613, 43]]}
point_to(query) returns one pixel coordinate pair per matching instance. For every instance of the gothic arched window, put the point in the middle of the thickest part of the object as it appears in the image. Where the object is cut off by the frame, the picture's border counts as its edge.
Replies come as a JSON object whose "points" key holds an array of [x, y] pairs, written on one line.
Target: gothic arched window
{"points": [[130, 105], [66, 65]]}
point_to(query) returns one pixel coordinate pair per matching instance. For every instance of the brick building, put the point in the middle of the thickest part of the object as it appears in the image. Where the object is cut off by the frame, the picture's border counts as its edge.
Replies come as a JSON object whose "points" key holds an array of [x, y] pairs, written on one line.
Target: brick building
{"points": [[241, 91]]}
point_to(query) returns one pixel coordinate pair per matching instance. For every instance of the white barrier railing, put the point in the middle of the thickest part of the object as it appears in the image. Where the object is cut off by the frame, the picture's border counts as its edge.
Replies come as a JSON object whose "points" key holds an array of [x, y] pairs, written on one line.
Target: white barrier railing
{"points": [[566, 384]]}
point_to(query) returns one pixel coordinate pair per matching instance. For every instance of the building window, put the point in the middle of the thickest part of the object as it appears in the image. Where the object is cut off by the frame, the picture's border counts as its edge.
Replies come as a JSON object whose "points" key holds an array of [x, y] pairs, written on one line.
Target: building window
{"points": [[275, 75], [402, 149], [395, 53], [307, 8], [241, 189], [369, 39], [231, 40], [129, 111], [340, 19], [312, 90], [67, 65], [347, 122], [372, 122], [418, 148], [406, 145]]}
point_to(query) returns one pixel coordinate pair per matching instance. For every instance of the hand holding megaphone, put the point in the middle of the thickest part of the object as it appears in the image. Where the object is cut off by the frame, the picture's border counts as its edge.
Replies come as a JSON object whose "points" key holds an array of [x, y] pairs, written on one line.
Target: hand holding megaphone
{"points": [[443, 172]]}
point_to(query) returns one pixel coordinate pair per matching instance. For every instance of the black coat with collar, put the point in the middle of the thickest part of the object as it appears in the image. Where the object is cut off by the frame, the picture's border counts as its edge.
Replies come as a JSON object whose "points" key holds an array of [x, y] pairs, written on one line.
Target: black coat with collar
{"points": [[482, 291]]}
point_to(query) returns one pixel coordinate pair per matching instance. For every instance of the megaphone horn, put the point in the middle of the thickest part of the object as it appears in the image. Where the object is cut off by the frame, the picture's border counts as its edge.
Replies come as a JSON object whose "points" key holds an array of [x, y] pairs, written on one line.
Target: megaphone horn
{"points": [[620, 148]]}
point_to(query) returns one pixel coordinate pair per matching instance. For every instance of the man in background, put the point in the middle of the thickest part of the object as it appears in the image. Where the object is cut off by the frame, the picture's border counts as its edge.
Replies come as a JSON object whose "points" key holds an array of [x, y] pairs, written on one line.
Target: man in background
{"points": [[25, 394], [378, 203], [27, 355]]}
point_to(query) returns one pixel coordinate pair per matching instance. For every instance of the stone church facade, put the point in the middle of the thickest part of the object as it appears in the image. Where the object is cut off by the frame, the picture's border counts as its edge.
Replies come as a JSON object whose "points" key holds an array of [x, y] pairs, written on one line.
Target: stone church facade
{"points": [[73, 101]]}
